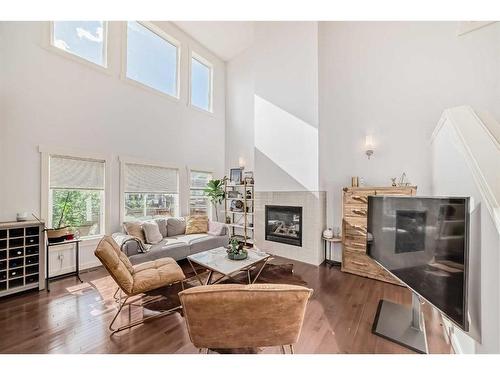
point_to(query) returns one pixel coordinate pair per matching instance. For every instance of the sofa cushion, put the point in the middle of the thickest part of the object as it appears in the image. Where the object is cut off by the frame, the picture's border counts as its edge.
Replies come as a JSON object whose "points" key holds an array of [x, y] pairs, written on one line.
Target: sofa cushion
{"points": [[176, 226], [169, 247], [152, 275], [197, 224], [151, 232], [162, 226], [134, 228], [206, 243]]}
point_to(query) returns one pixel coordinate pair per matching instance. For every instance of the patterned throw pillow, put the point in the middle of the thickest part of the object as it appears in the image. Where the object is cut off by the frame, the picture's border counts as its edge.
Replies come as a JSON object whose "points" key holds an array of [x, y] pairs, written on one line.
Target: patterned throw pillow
{"points": [[197, 224]]}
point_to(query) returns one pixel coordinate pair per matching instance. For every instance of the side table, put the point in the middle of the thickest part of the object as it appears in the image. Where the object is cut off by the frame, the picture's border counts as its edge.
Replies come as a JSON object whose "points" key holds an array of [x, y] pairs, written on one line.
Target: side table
{"points": [[76, 273], [328, 242]]}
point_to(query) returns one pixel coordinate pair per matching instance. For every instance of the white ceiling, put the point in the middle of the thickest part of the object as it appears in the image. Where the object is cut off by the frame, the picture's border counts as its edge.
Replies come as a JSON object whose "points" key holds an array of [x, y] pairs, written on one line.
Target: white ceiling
{"points": [[226, 39]]}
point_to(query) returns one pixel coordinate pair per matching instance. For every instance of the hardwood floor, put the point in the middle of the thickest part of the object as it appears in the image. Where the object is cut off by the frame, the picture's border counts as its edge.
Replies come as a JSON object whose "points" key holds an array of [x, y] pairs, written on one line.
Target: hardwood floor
{"points": [[72, 318]]}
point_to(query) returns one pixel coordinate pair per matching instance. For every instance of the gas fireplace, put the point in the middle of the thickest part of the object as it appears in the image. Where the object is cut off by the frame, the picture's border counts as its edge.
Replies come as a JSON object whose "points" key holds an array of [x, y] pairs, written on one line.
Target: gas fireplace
{"points": [[284, 224]]}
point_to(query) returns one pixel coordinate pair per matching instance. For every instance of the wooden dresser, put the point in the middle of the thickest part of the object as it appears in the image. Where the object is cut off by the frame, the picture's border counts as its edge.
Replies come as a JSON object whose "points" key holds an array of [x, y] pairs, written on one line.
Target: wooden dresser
{"points": [[354, 225]]}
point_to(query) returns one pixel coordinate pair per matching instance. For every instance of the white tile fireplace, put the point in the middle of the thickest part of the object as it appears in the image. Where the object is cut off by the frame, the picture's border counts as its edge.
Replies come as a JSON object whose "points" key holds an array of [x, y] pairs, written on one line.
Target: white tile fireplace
{"points": [[293, 225]]}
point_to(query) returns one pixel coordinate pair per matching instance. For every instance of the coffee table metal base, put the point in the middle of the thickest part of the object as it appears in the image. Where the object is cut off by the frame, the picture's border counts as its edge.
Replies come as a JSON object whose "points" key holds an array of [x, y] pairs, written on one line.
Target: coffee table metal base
{"points": [[231, 275]]}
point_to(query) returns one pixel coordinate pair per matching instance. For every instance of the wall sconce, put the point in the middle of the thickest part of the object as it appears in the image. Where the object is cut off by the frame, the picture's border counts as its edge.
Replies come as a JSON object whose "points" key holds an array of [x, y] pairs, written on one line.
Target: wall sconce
{"points": [[369, 146], [241, 162]]}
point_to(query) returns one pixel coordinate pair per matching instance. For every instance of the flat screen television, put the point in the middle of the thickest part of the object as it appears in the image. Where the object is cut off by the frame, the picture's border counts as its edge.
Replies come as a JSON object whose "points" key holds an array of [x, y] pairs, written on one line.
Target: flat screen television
{"points": [[424, 243]]}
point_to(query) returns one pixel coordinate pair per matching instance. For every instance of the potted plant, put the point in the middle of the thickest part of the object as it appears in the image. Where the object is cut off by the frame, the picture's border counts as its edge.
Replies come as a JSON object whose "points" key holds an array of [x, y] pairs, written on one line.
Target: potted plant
{"points": [[215, 193], [236, 250]]}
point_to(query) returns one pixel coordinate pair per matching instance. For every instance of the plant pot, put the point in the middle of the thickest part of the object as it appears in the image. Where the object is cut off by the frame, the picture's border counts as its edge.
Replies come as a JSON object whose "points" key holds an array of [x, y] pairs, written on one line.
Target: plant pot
{"points": [[57, 235], [237, 256]]}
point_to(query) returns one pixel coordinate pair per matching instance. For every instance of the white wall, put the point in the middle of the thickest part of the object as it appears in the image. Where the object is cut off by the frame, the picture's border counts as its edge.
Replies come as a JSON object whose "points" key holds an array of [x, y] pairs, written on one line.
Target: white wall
{"points": [[54, 101], [393, 80], [240, 89], [286, 106]]}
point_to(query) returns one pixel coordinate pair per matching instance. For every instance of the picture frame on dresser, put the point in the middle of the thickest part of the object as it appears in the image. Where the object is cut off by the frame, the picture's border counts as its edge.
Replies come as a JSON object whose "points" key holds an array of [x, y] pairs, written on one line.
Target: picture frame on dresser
{"points": [[22, 257]]}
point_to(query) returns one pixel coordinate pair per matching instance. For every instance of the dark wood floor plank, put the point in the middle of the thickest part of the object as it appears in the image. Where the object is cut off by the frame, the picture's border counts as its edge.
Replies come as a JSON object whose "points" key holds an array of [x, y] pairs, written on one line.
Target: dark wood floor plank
{"points": [[74, 318]]}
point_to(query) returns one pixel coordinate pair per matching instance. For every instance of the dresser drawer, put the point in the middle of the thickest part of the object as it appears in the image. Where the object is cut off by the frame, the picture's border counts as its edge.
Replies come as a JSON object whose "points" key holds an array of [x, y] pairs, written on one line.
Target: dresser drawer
{"points": [[359, 263], [355, 227], [355, 243], [355, 210], [358, 197]]}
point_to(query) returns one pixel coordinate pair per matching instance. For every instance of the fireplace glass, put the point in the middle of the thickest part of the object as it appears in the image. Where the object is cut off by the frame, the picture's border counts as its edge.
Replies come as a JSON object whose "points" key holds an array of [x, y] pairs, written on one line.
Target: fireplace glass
{"points": [[284, 224]]}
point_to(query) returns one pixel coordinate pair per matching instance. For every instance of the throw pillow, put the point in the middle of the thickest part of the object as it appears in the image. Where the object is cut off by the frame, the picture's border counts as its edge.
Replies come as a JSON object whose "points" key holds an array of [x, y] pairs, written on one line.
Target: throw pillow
{"points": [[176, 226], [162, 226], [152, 232], [134, 228], [216, 229], [197, 224]]}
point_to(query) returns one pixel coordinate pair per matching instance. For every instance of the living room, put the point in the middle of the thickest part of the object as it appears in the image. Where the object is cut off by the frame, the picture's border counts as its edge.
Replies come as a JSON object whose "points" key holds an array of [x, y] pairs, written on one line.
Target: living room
{"points": [[188, 187]]}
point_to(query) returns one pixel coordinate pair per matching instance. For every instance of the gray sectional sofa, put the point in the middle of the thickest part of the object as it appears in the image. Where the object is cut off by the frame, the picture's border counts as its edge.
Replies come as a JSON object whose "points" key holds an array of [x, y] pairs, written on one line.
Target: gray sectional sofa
{"points": [[176, 244]]}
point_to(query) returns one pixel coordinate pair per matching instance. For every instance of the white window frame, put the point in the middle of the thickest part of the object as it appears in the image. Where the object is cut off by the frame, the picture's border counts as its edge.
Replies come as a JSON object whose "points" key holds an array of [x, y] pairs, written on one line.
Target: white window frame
{"points": [[210, 206], [49, 44], [208, 64], [46, 152], [168, 38], [124, 160]]}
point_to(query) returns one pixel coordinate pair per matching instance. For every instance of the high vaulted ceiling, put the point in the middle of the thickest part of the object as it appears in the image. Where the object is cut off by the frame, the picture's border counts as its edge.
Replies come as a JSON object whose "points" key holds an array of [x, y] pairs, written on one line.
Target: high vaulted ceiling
{"points": [[226, 39]]}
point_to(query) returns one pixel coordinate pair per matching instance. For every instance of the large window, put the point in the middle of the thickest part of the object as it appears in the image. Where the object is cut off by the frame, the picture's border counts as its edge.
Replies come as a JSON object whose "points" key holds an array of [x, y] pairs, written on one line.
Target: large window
{"points": [[201, 84], [76, 194], [150, 191], [152, 59], [198, 202], [85, 39]]}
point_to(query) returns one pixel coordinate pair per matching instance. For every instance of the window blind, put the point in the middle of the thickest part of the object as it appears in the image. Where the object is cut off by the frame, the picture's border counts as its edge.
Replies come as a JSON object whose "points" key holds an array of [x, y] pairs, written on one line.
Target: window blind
{"points": [[74, 173], [150, 179]]}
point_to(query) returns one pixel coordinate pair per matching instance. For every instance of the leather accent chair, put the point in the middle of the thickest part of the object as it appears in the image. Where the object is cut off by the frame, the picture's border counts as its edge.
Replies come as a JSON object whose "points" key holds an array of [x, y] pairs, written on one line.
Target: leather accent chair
{"points": [[237, 316], [136, 280]]}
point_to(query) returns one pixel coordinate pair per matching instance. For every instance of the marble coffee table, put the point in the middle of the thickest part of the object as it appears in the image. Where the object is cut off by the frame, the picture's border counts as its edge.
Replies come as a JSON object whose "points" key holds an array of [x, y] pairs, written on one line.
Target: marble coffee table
{"points": [[216, 260]]}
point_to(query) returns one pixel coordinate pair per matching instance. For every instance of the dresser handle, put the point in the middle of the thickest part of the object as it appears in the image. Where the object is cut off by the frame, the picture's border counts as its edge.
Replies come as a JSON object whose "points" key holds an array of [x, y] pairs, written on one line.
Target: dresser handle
{"points": [[359, 263], [358, 244], [359, 228], [19, 253], [14, 273], [359, 198], [359, 212]]}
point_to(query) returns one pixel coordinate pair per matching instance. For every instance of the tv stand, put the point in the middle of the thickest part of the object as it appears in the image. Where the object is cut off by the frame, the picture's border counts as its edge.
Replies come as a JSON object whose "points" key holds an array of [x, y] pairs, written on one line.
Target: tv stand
{"points": [[401, 325]]}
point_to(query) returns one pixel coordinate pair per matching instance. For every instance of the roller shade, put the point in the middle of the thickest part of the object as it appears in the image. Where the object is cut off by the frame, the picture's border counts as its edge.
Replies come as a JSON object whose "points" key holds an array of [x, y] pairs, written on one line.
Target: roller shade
{"points": [[74, 173], [150, 179]]}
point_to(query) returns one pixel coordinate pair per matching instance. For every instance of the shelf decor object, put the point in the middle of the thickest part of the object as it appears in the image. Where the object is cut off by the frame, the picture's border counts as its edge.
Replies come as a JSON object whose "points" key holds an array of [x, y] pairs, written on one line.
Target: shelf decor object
{"points": [[21, 256], [354, 230], [239, 212]]}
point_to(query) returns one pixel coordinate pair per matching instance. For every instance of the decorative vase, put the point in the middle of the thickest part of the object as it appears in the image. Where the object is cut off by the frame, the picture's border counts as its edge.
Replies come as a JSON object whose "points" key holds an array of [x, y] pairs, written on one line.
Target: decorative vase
{"points": [[328, 233], [240, 256]]}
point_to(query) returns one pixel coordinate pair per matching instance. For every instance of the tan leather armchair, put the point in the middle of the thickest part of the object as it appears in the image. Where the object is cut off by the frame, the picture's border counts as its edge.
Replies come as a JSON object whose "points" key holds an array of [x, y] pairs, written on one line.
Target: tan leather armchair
{"points": [[244, 316], [135, 280]]}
